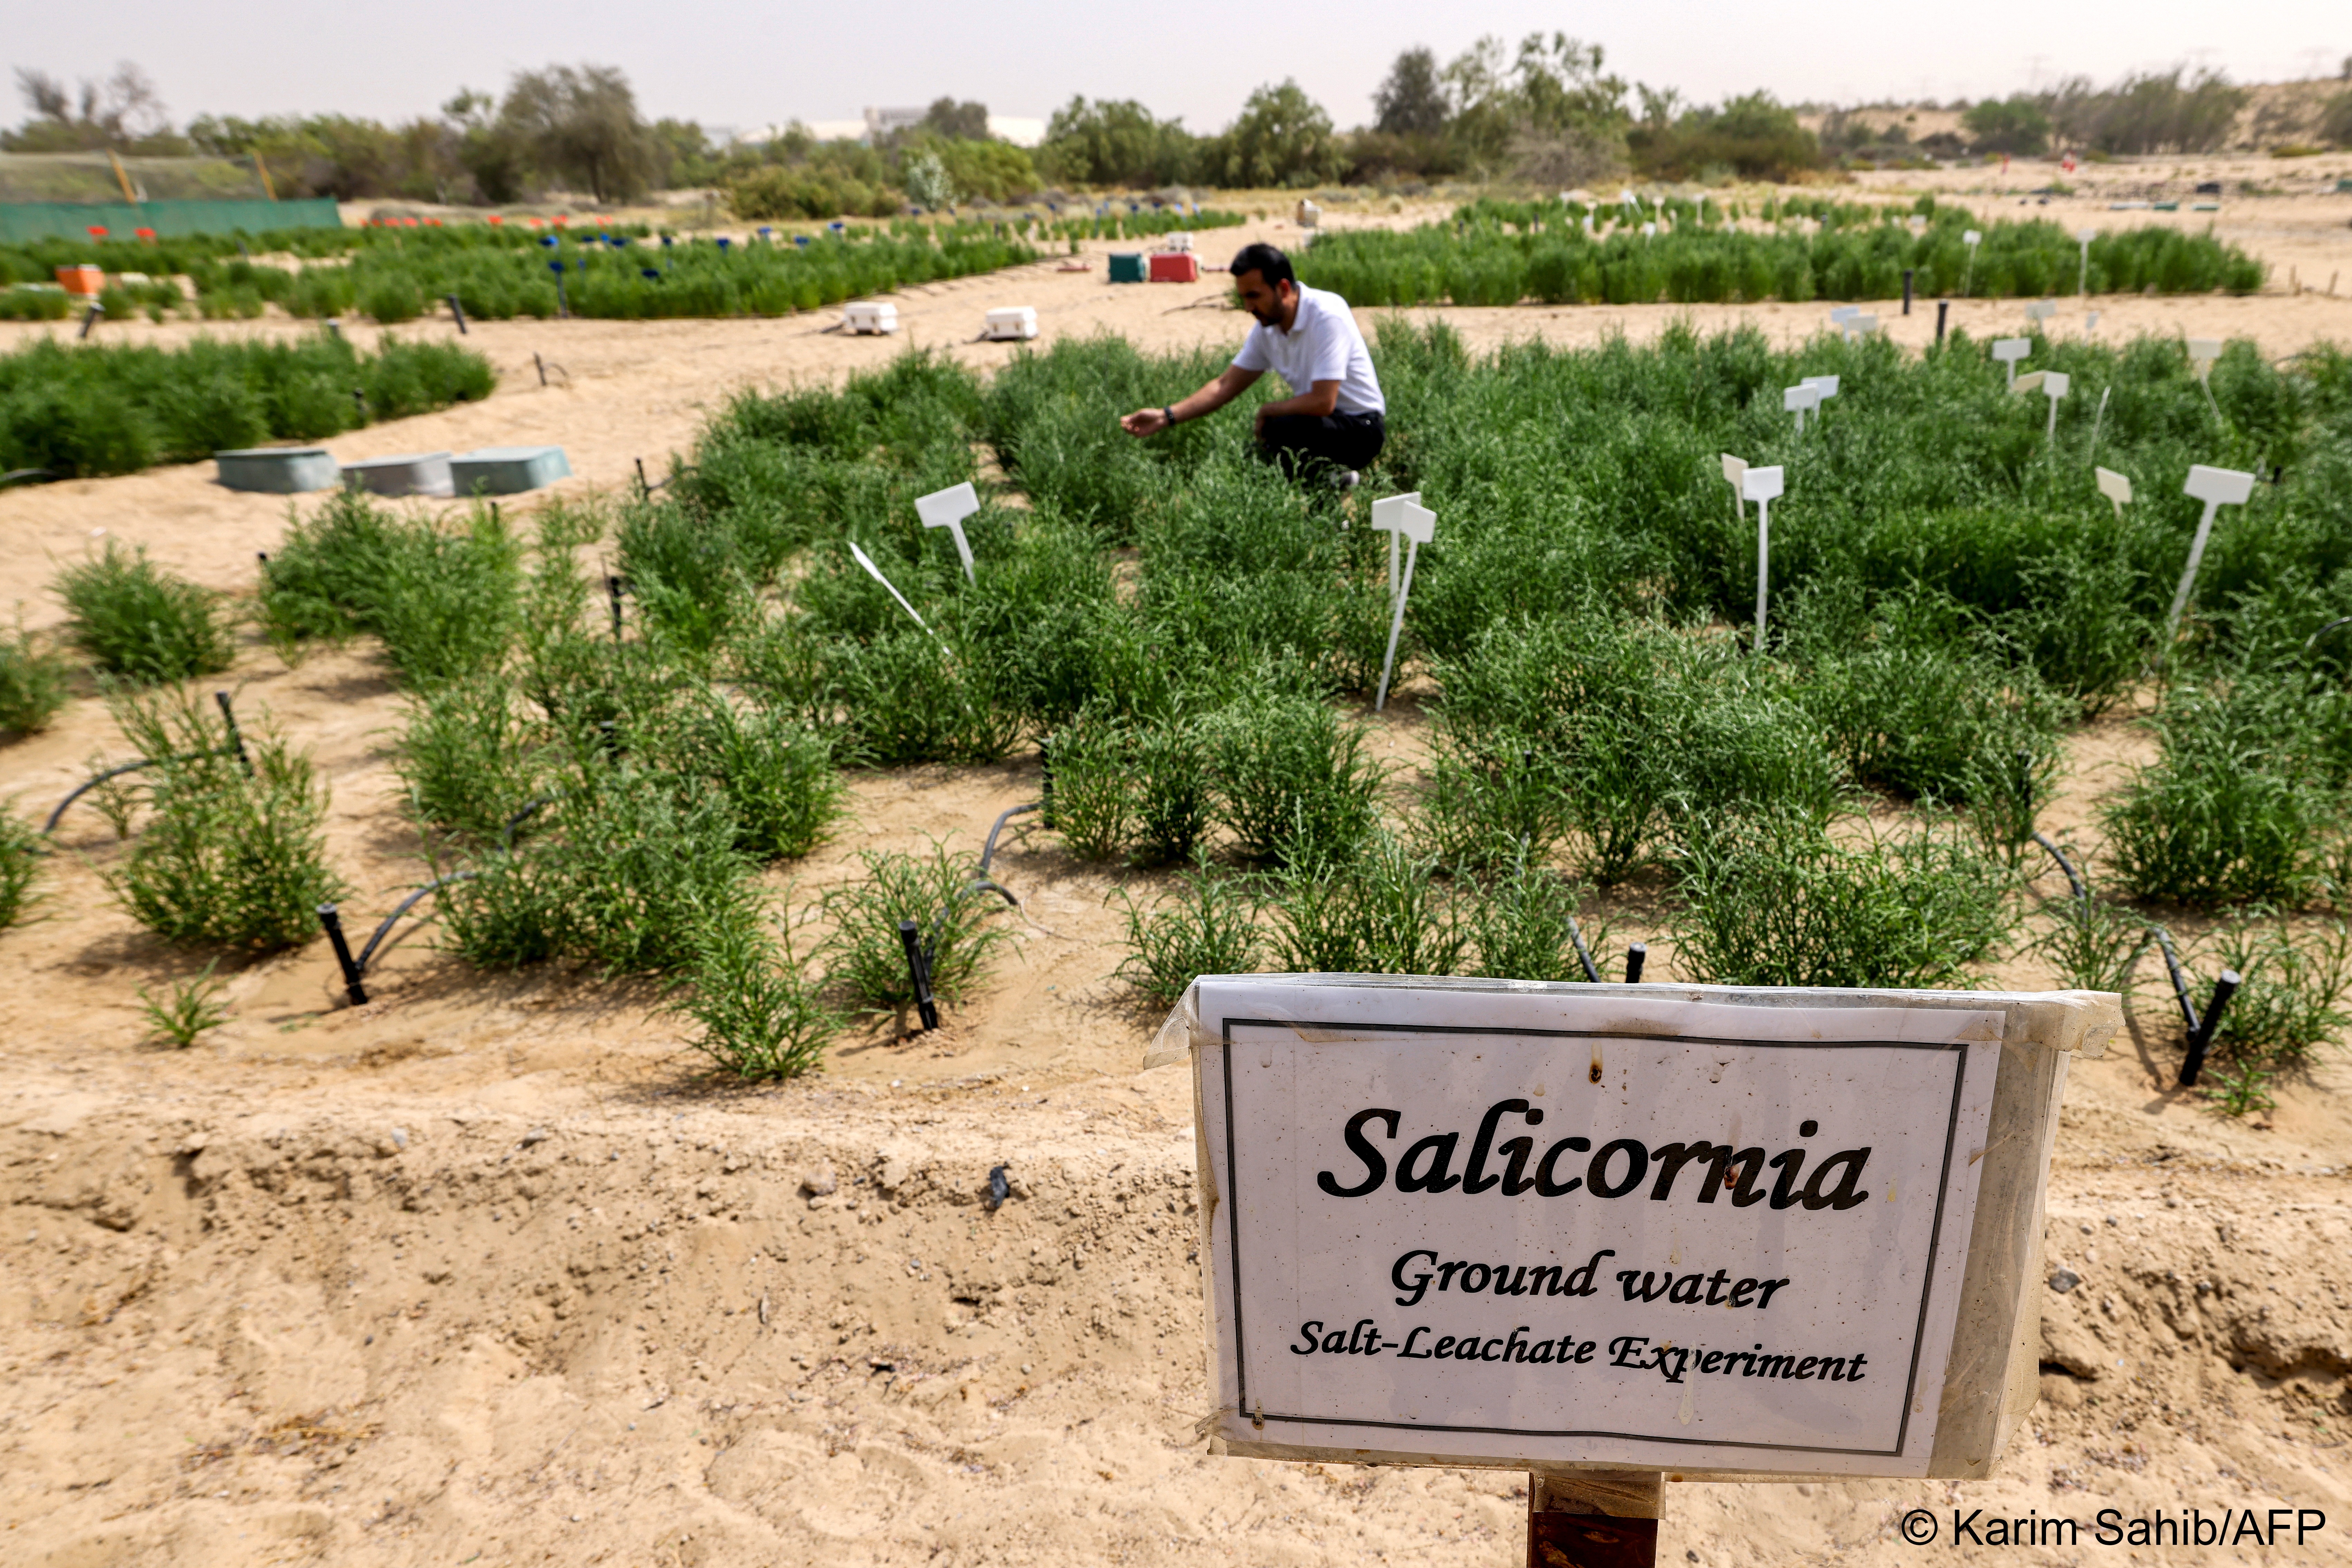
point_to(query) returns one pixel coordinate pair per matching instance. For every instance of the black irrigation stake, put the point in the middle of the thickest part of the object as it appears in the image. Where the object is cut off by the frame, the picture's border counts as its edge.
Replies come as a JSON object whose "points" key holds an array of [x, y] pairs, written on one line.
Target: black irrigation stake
{"points": [[540, 365], [918, 971], [1908, 273], [645, 491], [456, 314], [1636, 957], [1943, 309], [330, 919], [235, 735], [1046, 792], [90, 320], [2201, 1029], [613, 585], [359, 401]]}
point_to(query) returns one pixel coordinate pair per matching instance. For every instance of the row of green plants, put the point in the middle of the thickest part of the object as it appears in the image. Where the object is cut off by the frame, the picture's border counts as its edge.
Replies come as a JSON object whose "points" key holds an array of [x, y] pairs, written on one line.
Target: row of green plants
{"points": [[1695, 257], [1189, 636], [80, 409]]}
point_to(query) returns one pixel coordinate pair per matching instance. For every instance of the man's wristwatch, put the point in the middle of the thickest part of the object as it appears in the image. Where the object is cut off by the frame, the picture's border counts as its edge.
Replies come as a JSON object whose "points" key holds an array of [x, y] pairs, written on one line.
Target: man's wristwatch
{"points": [[1169, 413]]}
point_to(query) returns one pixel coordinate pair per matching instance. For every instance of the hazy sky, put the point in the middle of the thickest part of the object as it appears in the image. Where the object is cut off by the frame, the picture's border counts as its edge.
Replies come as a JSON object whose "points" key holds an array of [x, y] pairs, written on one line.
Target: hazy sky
{"points": [[737, 63]]}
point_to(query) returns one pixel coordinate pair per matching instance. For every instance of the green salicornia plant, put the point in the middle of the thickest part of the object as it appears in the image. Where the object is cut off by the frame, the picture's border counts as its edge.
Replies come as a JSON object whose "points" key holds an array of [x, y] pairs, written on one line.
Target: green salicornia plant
{"points": [[1207, 925], [140, 622], [32, 682], [758, 1015], [865, 958], [187, 1008]]}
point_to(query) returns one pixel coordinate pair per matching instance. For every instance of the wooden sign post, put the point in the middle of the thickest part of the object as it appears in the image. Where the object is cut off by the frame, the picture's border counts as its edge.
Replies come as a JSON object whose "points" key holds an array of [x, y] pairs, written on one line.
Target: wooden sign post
{"points": [[1762, 486], [2217, 487], [1623, 1237], [947, 508]]}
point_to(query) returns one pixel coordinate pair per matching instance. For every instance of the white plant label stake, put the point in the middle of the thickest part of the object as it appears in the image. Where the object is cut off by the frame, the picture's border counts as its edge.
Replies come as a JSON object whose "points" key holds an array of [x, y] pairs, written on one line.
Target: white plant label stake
{"points": [[2217, 487], [2009, 351], [2054, 384], [1761, 485], [2202, 353], [2100, 421], [876, 573], [947, 508], [1971, 240], [1419, 526], [1387, 517], [2117, 488], [1825, 388], [1797, 399], [1734, 473], [2082, 279]]}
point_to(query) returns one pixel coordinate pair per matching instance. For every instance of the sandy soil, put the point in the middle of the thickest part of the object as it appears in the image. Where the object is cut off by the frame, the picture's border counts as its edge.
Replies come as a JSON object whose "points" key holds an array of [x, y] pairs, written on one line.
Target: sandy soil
{"points": [[485, 1272]]}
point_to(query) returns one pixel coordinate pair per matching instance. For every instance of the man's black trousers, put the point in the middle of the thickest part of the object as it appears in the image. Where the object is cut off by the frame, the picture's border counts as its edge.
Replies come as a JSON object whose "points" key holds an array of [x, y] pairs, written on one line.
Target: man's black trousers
{"points": [[1303, 441]]}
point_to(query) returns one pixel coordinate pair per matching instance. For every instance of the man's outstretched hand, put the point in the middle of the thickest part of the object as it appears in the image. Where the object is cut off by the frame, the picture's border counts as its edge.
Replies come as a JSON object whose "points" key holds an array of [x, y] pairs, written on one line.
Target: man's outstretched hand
{"points": [[1145, 422]]}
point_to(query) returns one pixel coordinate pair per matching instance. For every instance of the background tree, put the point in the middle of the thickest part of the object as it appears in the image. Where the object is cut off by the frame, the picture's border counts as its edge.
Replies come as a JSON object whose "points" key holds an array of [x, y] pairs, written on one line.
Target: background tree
{"points": [[957, 121], [2013, 124], [1410, 102], [581, 126], [124, 113], [1115, 142], [1282, 138]]}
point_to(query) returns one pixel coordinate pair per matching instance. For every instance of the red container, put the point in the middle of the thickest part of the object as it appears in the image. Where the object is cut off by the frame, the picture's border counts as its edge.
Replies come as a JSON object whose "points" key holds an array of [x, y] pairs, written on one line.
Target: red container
{"points": [[84, 279], [1175, 267]]}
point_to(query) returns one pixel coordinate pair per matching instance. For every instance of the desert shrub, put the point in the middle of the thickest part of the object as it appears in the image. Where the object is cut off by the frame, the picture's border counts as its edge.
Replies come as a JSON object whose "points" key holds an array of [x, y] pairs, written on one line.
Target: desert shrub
{"points": [[2230, 812], [138, 621], [2291, 996], [1206, 925], [32, 682], [757, 1014], [1782, 902], [470, 759], [866, 961], [1094, 787], [446, 602], [689, 577], [1378, 911], [624, 875], [2092, 944], [187, 1009], [1292, 783], [1523, 922], [229, 855], [908, 697], [21, 851], [776, 775]]}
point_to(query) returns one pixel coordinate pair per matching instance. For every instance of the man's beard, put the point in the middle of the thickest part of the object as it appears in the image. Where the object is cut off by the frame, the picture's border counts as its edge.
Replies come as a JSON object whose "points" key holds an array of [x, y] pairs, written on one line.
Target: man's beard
{"points": [[1269, 318]]}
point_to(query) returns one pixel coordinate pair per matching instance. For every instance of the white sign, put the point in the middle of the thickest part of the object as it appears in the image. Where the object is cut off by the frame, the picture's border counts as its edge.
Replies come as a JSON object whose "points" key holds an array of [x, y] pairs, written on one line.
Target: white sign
{"points": [[2117, 488], [2041, 310], [1825, 388], [1387, 517], [1734, 473], [1462, 1219], [947, 508], [1797, 399], [2217, 487], [1419, 526], [2009, 351], [1762, 486], [876, 573]]}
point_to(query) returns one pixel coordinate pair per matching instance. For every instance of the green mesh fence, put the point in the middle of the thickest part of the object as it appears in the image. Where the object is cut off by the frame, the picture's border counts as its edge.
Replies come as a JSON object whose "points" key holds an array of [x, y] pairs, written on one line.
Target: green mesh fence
{"points": [[22, 221]]}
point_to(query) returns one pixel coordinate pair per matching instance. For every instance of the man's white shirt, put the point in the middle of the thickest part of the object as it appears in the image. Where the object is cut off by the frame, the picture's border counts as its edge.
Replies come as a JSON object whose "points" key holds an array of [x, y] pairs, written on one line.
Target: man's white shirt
{"points": [[1322, 344]]}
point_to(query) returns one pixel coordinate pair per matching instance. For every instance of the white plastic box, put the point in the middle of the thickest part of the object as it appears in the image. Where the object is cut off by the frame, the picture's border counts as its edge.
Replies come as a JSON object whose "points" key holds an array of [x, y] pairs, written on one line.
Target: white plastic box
{"points": [[413, 474], [1180, 242], [1013, 322], [869, 316]]}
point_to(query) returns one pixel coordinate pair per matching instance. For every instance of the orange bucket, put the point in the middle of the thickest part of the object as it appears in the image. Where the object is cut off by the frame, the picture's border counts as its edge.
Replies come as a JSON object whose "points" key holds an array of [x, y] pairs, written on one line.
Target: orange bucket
{"points": [[82, 280]]}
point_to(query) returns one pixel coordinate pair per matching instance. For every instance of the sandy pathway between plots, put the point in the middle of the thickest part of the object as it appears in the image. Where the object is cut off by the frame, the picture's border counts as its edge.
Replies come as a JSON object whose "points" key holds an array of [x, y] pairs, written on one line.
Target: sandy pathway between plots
{"points": [[482, 1272]]}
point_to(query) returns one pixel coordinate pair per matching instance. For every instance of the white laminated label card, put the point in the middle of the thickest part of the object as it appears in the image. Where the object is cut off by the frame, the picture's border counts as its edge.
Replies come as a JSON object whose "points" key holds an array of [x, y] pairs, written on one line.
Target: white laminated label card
{"points": [[1501, 1221]]}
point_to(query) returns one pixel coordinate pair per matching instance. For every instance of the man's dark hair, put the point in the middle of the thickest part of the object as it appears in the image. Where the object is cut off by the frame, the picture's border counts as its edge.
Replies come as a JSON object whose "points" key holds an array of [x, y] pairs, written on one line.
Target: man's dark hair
{"points": [[1267, 263]]}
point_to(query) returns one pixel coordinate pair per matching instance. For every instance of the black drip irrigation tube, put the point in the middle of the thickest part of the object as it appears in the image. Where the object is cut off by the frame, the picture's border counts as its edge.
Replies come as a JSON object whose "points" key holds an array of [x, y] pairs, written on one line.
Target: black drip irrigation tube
{"points": [[235, 748], [2073, 878], [330, 919], [920, 953], [2201, 1028], [2337, 624]]}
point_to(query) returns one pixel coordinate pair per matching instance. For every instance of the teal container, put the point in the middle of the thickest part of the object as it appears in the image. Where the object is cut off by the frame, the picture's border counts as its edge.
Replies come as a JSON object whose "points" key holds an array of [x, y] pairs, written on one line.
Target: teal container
{"points": [[1127, 266]]}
